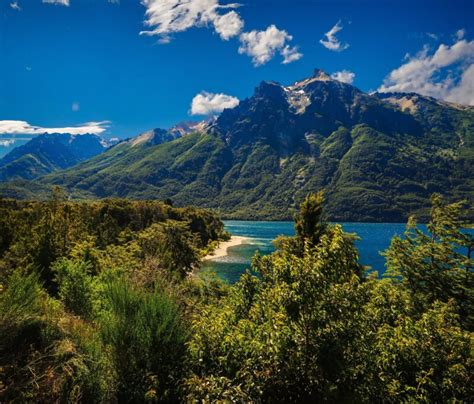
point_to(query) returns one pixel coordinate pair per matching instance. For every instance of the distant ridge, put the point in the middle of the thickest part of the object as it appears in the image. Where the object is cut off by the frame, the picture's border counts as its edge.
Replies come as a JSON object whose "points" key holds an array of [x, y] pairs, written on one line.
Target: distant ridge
{"points": [[378, 156], [47, 153]]}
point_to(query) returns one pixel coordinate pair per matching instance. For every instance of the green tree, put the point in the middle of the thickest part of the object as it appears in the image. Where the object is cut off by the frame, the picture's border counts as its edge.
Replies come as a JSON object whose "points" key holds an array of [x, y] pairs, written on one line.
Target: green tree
{"points": [[309, 224], [289, 334], [436, 265], [312, 328], [173, 244]]}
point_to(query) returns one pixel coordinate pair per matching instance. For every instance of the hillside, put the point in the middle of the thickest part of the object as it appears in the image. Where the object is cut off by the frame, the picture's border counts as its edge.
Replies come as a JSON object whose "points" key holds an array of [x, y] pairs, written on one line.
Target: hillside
{"points": [[378, 156], [46, 153]]}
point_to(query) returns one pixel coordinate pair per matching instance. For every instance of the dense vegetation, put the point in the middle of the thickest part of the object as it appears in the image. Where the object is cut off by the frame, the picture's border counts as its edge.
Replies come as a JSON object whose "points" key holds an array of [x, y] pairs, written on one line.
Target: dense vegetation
{"points": [[97, 305], [88, 306], [379, 157]]}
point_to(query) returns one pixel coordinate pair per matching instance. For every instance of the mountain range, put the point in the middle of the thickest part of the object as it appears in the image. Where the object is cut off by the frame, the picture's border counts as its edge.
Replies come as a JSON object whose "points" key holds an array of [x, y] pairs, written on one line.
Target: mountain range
{"points": [[378, 156], [46, 153]]}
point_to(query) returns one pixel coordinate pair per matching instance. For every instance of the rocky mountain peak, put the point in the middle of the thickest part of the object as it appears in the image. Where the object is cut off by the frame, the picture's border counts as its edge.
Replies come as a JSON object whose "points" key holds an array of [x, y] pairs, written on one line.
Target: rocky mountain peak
{"points": [[187, 127], [321, 75], [269, 89], [318, 76]]}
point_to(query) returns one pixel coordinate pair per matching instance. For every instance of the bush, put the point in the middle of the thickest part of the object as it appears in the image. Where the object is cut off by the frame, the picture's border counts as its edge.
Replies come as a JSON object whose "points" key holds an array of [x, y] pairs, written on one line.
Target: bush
{"points": [[312, 328], [20, 310], [76, 286], [147, 336], [47, 355]]}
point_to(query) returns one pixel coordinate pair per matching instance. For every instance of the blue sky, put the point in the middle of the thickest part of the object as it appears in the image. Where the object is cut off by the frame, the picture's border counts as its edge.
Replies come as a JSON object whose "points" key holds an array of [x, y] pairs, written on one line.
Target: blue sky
{"points": [[85, 63]]}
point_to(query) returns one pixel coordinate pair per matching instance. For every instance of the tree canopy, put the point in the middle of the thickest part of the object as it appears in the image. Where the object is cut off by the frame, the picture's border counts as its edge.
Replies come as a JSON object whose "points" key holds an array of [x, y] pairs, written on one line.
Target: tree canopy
{"points": [[100, 302]]}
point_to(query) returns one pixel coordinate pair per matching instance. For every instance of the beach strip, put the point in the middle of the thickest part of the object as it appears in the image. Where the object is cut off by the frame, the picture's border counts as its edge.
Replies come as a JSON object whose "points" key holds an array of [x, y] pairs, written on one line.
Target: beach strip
{"points": [[221, 250]]}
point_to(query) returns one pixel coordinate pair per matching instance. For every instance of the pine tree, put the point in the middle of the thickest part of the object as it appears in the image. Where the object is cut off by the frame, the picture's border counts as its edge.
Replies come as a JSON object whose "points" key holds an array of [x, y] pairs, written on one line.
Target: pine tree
{"points": [[309, 224]]}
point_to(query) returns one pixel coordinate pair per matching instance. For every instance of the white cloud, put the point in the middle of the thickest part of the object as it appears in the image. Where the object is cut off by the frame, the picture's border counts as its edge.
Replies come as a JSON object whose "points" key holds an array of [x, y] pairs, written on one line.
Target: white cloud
{"points": [[24, 128], [15, 6], [166, 17], [208, 103], [228, 25], [331, 42], [75, 106], [346, 76], [463, 92], [448, 73], [57, 2], [261, 46], [290, 54]]}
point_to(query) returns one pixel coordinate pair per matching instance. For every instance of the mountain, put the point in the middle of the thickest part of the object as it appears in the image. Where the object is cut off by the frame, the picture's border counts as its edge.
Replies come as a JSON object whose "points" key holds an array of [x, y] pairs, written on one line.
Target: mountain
{"points": [[378, 156], [158, 136], [187, 127], [46, 153]]}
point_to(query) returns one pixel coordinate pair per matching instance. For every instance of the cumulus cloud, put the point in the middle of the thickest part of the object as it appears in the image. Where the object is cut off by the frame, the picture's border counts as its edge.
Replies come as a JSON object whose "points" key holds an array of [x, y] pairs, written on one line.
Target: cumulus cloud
{"points": [[57, 2], [346, 76], [15, 6], [166, 17], [331, 42], [447, 73], [228, 25], [463, 92], [24, 128], [208, 103], [261, 46]]}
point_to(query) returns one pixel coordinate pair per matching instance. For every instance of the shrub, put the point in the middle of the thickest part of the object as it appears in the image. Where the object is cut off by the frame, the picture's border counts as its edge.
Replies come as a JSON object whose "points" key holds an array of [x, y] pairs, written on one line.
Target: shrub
{"points": [[147, 336], [76, 286]]}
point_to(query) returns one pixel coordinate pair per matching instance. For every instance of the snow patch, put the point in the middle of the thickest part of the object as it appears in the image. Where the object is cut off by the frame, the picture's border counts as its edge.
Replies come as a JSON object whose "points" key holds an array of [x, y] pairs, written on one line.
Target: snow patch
{"points": [[297, 98]]}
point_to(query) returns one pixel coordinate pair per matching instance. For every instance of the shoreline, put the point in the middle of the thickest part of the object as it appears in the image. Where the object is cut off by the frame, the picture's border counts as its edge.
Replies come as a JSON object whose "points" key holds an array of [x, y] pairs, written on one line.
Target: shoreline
{"points": [[221, 250]]}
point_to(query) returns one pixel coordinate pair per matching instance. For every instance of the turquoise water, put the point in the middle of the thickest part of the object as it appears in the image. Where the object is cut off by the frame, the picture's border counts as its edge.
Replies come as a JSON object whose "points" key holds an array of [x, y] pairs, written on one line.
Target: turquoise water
{"points": [[374, 238]]}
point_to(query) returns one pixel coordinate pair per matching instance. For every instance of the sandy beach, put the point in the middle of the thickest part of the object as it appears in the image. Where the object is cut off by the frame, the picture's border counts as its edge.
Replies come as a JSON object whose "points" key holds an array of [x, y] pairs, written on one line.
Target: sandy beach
{"points": [[221, 251]]}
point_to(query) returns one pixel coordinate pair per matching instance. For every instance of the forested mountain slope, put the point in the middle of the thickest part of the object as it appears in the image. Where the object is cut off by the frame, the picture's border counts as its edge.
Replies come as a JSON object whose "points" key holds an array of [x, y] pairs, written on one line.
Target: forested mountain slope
{"points": [[378, 156]]}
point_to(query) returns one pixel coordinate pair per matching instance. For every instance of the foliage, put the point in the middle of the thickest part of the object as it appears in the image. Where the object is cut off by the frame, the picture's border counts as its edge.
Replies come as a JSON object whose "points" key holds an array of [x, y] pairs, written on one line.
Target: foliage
{"points": [[438, 265], [76, 286], [46, 355], [33, 235], [87, 308], [112, 312], [147, 337], [308, 223], [19, 307], [311, 327]]}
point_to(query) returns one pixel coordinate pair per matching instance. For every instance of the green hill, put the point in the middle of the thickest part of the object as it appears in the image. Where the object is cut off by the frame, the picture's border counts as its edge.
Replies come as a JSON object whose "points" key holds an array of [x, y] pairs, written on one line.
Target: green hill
{"points": [[379, 157], [47, 153]]}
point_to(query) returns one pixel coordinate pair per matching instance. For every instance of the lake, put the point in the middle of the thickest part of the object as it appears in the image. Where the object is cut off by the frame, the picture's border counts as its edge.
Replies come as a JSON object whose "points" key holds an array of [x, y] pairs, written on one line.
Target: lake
{"points": [[374, 238]]}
